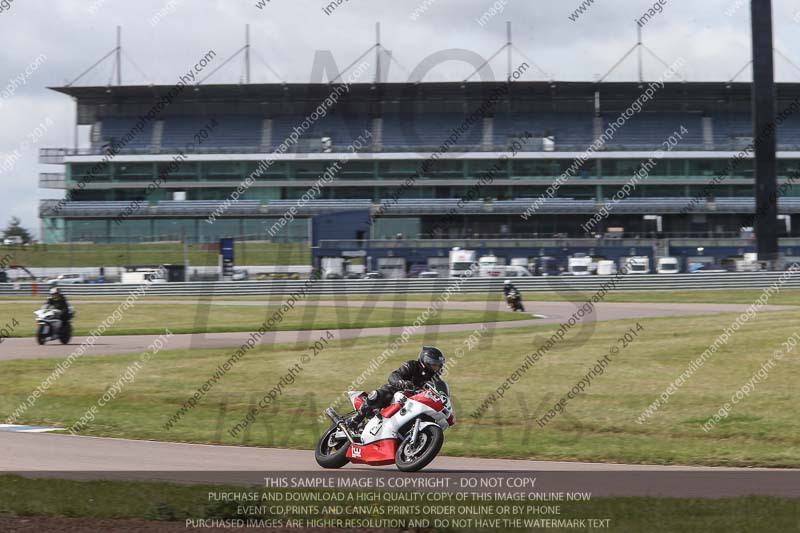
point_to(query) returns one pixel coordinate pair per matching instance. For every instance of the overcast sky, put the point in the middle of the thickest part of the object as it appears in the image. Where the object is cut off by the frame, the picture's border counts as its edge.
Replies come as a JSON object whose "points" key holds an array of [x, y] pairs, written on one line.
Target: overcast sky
{"points": [[68, 36]]}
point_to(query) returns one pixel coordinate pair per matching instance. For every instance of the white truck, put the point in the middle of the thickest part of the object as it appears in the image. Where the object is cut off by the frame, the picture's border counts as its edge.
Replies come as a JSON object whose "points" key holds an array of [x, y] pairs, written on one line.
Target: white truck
{"points": [[145, 275], [461, 262], [579, 265], [332, 267], [668, 265], [606, 267], [392, 267], [490, 260], [638, 264], [748, 263], [503, 271]]}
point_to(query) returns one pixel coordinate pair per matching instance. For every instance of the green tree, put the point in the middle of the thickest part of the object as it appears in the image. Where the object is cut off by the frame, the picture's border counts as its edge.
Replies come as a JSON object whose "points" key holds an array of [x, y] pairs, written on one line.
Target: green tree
{"points": [[15, 229]]}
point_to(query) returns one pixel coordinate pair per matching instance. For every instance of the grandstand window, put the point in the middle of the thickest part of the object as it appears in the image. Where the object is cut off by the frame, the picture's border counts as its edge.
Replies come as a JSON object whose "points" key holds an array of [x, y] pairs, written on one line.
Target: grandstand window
{"points": [[412, 192], [677, 167], [134, 171], [278, 170], [445, 168], [528, 192], [222, 170], [621, 167], [397, 169], [714, 167], [628, 167], [87, 230], [175, 229], [257, 228], [661, 191], [132, 229], [579, 193], [550, 167], [310, 169], [484, 167], [175, 171], [79, 170], [788, 167], [351, 193], [224, 227], [357, 170], [741, 191], [92, 195], [204, 194]]}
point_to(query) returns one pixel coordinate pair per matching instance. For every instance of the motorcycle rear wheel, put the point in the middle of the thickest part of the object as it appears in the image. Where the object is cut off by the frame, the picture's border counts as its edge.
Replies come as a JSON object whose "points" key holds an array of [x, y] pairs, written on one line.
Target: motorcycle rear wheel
{"points": [[41, 338], [65, 334], [429, 442], [330, 454]]}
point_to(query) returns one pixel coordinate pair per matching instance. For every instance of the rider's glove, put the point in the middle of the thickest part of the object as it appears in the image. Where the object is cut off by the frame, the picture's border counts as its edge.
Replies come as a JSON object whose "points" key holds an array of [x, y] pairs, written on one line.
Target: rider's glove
{"points": [[405, 385]]}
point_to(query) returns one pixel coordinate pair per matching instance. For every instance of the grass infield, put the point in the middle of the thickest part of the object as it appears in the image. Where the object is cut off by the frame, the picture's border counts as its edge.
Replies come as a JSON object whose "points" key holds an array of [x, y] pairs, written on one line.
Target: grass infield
{"points": [[598, 425], [204, 317]]}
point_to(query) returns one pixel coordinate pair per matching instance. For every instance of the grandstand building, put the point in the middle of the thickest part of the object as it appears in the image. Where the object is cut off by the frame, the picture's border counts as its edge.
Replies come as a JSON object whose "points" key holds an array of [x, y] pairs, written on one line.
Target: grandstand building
{"points": [[482, 156]]}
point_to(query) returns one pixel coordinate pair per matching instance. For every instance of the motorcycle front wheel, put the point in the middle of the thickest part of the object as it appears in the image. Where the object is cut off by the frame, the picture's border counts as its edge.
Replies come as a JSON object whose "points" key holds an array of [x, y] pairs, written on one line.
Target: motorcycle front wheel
{"points": [[41, 336], [411, 458], [331, 452]]}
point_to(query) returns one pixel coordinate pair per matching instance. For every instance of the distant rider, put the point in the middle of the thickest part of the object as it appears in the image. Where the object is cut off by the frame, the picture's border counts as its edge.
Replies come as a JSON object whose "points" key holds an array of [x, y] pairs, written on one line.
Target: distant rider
{"points": [[508, 288], [410, 376], [59, 302], [510, 291]]}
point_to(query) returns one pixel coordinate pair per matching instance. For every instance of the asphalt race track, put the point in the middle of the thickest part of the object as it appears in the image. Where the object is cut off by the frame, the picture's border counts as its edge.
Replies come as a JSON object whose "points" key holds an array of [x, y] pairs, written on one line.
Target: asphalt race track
{"points": [[72, 457], [554, 313]]}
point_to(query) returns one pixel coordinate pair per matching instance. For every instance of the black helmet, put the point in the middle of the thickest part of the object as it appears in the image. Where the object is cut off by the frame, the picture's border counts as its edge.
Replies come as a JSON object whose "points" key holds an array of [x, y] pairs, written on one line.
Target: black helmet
{"points": [[432, 358]]}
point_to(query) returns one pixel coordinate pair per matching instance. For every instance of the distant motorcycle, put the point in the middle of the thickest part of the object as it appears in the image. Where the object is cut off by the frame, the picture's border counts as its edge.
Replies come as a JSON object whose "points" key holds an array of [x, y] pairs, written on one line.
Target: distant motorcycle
{"points": [[408, 433], [514, 301], [51, 327]]}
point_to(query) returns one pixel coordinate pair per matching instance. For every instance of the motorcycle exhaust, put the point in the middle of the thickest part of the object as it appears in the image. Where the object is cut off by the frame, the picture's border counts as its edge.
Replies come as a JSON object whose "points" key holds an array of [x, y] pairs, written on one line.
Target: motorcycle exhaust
{"points": [[337, 420]]}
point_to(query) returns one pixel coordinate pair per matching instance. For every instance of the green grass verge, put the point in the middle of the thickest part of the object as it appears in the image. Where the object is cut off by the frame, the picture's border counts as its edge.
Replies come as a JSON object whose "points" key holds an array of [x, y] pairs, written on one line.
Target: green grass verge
{"points": [[24, 497], [204, 318], [115, 255], [599, 425]]}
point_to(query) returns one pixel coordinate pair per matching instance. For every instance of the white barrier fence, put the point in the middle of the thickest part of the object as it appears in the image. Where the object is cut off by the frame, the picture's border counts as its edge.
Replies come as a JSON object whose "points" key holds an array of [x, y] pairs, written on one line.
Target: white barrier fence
{"points": [[632, 282]]}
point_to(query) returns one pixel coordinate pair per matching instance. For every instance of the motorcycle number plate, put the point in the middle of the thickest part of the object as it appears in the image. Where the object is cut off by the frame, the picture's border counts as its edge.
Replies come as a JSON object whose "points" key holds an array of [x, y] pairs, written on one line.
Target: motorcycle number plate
{"points": [[356, 451]]}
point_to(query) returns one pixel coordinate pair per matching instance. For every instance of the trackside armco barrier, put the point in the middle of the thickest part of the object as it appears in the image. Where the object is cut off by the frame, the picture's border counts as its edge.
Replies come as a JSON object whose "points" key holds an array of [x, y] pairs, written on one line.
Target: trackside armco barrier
{"points": [[632, 282]]}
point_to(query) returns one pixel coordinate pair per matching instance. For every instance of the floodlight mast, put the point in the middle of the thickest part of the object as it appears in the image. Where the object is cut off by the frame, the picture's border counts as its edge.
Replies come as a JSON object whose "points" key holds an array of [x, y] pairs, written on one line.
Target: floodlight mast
{"points": [[764, 134]]}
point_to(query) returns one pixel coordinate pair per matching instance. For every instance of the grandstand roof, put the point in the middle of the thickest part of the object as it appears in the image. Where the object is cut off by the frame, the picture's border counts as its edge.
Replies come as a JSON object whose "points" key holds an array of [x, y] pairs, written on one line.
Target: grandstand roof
{"points": [[406, 97]]}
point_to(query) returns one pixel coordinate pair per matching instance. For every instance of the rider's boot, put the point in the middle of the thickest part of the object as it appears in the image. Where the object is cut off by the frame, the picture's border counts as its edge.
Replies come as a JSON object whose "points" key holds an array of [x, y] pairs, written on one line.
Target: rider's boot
{"points": [[359, 417]]}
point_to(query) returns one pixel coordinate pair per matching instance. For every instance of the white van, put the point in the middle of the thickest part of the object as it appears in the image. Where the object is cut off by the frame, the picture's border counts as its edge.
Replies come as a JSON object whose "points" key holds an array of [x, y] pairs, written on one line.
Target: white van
{"points": [[68, 279]]}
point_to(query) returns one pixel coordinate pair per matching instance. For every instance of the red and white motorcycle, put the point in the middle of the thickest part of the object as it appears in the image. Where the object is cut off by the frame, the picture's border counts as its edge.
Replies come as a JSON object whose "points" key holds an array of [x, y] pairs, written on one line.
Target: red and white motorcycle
{"points": [[408, 433]]}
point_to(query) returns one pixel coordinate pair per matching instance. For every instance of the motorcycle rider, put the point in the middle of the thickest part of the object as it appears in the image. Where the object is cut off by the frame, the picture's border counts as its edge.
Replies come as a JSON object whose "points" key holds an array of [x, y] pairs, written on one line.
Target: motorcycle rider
{"points": [[508, 287], [509, 291], [59, 302], [411, 375]]}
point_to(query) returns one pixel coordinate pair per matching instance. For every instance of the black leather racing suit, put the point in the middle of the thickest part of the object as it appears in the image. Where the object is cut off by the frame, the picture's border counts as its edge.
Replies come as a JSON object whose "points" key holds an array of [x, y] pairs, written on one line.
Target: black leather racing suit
{"points": [[411, 374], [507, 289], [57, 301]]}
